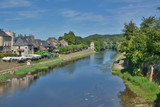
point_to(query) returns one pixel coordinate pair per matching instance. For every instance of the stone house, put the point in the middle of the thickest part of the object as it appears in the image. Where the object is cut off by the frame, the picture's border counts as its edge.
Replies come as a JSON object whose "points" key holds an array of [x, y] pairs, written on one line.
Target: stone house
{"points": [[43, 45], [53, 41], [5, 42], [92, 46], [22, 47], [64, 43], [12, 35]]}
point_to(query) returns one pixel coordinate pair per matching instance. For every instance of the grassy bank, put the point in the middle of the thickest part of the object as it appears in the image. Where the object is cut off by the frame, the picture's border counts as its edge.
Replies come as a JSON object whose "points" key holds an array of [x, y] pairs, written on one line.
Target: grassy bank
{"points": [[37, 67], [140, 85]]}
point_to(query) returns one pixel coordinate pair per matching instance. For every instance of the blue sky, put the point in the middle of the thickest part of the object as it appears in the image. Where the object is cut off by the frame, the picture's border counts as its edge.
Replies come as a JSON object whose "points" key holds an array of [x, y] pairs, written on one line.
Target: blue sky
{"points": [[53, 18]]}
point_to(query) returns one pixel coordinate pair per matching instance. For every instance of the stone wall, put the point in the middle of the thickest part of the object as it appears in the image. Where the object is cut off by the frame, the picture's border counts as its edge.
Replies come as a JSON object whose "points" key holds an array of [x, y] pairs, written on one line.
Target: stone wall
{"points": [[147, 71]]}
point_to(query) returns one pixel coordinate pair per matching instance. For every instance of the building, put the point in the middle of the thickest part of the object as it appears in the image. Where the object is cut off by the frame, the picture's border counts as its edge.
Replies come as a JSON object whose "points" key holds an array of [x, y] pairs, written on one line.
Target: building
{"points": [[12, 35], [92, 46], [5, 42], [22, 47], [43, 45], [53, 41], [64, 43]]}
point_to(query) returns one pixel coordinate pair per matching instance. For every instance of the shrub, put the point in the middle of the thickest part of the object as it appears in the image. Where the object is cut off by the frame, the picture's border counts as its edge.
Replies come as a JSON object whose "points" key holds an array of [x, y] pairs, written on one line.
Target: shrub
{"points": [[7, 54]]}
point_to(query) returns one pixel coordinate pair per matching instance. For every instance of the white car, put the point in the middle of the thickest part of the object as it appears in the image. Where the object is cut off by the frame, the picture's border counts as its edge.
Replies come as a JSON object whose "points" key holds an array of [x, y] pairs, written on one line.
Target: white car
{"points": [[34, 56], [6, 59]]}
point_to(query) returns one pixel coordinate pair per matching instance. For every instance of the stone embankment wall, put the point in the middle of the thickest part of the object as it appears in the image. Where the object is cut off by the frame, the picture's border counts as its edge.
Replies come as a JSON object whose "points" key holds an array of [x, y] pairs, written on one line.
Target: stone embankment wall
{"points": [[156, 71]]}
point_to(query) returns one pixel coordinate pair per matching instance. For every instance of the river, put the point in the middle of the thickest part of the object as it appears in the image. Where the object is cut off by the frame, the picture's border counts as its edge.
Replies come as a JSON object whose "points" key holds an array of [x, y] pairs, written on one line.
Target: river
{"points": [[86, 82]]}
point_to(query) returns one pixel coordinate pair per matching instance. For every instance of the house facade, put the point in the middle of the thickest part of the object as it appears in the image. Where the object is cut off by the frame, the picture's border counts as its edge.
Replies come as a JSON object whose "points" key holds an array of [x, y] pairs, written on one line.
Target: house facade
{"points": [[12, 35], [5, 42], [22, 47], [92, 46]]}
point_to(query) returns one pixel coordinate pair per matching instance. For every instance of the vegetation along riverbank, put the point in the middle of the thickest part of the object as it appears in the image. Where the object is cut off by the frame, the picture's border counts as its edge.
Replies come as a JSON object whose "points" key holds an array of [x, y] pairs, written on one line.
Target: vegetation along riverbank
{"points": [[139, 84], [44, 64]]}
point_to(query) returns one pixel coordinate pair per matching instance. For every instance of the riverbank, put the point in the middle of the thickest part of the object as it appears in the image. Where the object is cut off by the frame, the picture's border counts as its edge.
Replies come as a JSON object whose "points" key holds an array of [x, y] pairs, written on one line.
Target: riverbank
{"points": [[22, 70], [140, 85]]}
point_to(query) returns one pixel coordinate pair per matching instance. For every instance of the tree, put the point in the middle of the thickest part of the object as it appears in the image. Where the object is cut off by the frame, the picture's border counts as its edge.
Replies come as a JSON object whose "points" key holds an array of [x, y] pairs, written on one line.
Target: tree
{"points": [[70, 38], [155, 25], [129, 29], [97, 46], [146, 22], [60, 38], [101, 43]]}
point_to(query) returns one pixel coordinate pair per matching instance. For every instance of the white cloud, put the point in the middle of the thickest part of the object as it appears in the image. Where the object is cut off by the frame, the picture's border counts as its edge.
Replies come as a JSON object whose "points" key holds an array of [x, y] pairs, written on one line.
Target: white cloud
{"points": [[21, 15], [133, 11], [14, 3], [69, 13], [74, 15]]}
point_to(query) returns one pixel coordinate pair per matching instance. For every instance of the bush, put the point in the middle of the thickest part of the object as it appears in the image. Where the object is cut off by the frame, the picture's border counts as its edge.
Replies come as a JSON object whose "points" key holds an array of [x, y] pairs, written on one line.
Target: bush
{"points": [[7, 54], [72, 48], [140, 85]]}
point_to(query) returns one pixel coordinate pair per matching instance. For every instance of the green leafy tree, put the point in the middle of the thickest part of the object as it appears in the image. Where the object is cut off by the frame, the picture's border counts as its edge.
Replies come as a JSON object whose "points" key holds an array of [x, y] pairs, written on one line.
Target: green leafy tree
{"points": [[129, 29], [147, 22], [70, 38], [97, 46]]}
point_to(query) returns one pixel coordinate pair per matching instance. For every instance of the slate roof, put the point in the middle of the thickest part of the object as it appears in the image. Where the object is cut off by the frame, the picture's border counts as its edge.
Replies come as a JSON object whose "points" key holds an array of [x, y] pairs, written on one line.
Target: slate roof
{"points": [[22, 42], [2, 33], [5, 36], [43, 43]]}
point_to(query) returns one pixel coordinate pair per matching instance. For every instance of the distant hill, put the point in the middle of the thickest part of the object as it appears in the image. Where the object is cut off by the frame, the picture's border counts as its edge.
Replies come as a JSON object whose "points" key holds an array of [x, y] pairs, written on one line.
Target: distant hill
{"points": [[107, 36], [108, 41]]}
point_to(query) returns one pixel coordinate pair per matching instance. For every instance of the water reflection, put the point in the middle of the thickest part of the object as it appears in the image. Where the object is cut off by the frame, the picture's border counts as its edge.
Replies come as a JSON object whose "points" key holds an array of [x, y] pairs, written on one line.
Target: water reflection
{"points": [[82, 83]]}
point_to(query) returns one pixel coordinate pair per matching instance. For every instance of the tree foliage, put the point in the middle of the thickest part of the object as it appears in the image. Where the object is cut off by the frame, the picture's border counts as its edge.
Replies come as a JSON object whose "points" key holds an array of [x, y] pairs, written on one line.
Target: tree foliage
{"points": [[69, 37], [129, 29], [141, 44], [105, 41], [72, 48]]}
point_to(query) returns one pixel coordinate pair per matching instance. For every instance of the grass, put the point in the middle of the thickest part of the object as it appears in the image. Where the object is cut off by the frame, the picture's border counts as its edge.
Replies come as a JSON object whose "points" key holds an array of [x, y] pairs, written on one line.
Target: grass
{"points": [[30, 69], [5, 76], [37, 67], [34, 68], [140, 85], [44, 59]]}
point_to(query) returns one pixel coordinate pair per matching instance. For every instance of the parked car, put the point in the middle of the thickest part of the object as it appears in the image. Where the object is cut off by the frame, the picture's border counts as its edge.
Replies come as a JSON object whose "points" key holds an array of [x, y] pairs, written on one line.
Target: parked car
{"points": [[67, 52], [34, 56], [18, 59], [6, 59]]}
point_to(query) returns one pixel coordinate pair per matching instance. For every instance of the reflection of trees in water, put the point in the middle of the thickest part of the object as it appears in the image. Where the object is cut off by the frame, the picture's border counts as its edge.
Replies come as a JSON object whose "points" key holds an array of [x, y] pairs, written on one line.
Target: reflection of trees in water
{"points": [[105, 56], [70, 66], [126, 98]]}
